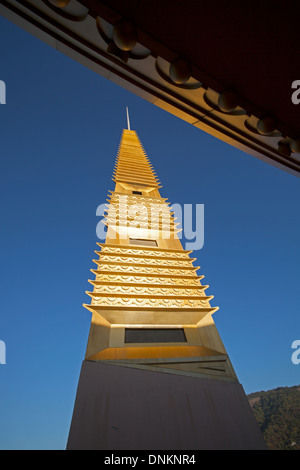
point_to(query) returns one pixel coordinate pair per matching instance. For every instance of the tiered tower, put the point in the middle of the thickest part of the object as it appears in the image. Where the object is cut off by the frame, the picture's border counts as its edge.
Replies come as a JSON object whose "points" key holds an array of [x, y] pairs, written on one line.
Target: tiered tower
{"points": [[156, 374]]}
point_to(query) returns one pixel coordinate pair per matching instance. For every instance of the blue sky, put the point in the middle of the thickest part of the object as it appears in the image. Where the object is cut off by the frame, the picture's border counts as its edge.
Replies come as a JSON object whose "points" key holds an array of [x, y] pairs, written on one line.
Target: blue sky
{"points": [[60, 131]]}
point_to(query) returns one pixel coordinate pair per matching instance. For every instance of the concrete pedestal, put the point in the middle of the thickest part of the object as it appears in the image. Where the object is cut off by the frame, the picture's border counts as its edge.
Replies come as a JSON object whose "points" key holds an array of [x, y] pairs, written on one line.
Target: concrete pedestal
{"points": [[122, 408]]}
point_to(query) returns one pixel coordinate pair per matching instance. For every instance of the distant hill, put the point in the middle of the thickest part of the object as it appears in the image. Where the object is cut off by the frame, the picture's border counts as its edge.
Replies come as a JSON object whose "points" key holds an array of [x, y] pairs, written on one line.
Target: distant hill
{"points": [[278, 414]]}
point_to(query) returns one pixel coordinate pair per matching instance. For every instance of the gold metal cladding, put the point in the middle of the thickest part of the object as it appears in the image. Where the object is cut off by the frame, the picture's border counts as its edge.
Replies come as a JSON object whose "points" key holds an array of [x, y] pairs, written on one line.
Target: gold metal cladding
{"points": [[144, 260], [147, 276], [143, 250], [150, 311], [149, 203], [127, 293], [136, 181], [136, 177], [165, 353], [132, 165], [145, 279], [142, 214], [114, 284], [124, 172], [163, 299], [117, 194], [141, 225], [130, 213], [144, 286], [133, 255], [163, 268], [141, 210]]}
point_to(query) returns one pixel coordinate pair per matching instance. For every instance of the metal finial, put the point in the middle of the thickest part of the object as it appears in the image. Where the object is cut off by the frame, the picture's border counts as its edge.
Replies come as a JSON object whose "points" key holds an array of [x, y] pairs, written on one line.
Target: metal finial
{"points": [[128, 122]]}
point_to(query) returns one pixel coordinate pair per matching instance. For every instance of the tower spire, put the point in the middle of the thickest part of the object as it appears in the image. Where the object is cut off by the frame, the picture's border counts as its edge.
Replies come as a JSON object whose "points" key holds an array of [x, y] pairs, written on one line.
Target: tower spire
{"points": [[128, 122], [156, 374]]}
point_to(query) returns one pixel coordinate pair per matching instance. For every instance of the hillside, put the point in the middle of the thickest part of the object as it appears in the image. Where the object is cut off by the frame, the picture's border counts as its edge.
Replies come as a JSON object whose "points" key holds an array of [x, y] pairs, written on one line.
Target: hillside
{"points": [[278, 414]]}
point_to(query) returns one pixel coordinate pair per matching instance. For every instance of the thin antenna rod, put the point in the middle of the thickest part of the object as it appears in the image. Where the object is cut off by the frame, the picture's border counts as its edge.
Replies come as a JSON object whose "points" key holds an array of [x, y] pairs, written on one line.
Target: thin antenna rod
{"points": [[128, 122]]}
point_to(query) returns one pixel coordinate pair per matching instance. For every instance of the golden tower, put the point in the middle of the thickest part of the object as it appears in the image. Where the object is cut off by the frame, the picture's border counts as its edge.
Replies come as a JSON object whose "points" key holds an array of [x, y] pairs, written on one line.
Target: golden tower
{"points": [[155, 372]]}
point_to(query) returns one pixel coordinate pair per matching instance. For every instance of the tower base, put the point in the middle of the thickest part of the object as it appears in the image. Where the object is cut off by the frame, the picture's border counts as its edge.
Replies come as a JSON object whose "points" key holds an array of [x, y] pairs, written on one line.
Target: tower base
{"points": [[122, 408]]}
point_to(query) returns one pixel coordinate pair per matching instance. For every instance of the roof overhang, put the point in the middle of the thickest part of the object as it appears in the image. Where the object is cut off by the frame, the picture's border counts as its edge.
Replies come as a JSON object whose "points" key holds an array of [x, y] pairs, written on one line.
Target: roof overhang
{"points": [[228, 68]]}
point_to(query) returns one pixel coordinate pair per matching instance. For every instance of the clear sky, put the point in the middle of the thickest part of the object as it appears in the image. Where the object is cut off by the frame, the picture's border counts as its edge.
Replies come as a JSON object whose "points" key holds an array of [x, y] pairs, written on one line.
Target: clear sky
{"points": [[60, 131]]}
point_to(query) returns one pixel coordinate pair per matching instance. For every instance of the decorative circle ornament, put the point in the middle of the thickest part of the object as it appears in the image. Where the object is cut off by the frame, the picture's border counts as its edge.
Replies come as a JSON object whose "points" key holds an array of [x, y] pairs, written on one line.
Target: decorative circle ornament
{"points": [[180, 71], [228, 101], [295, 145], [284, 148], [266, 125], [125, 35]]}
